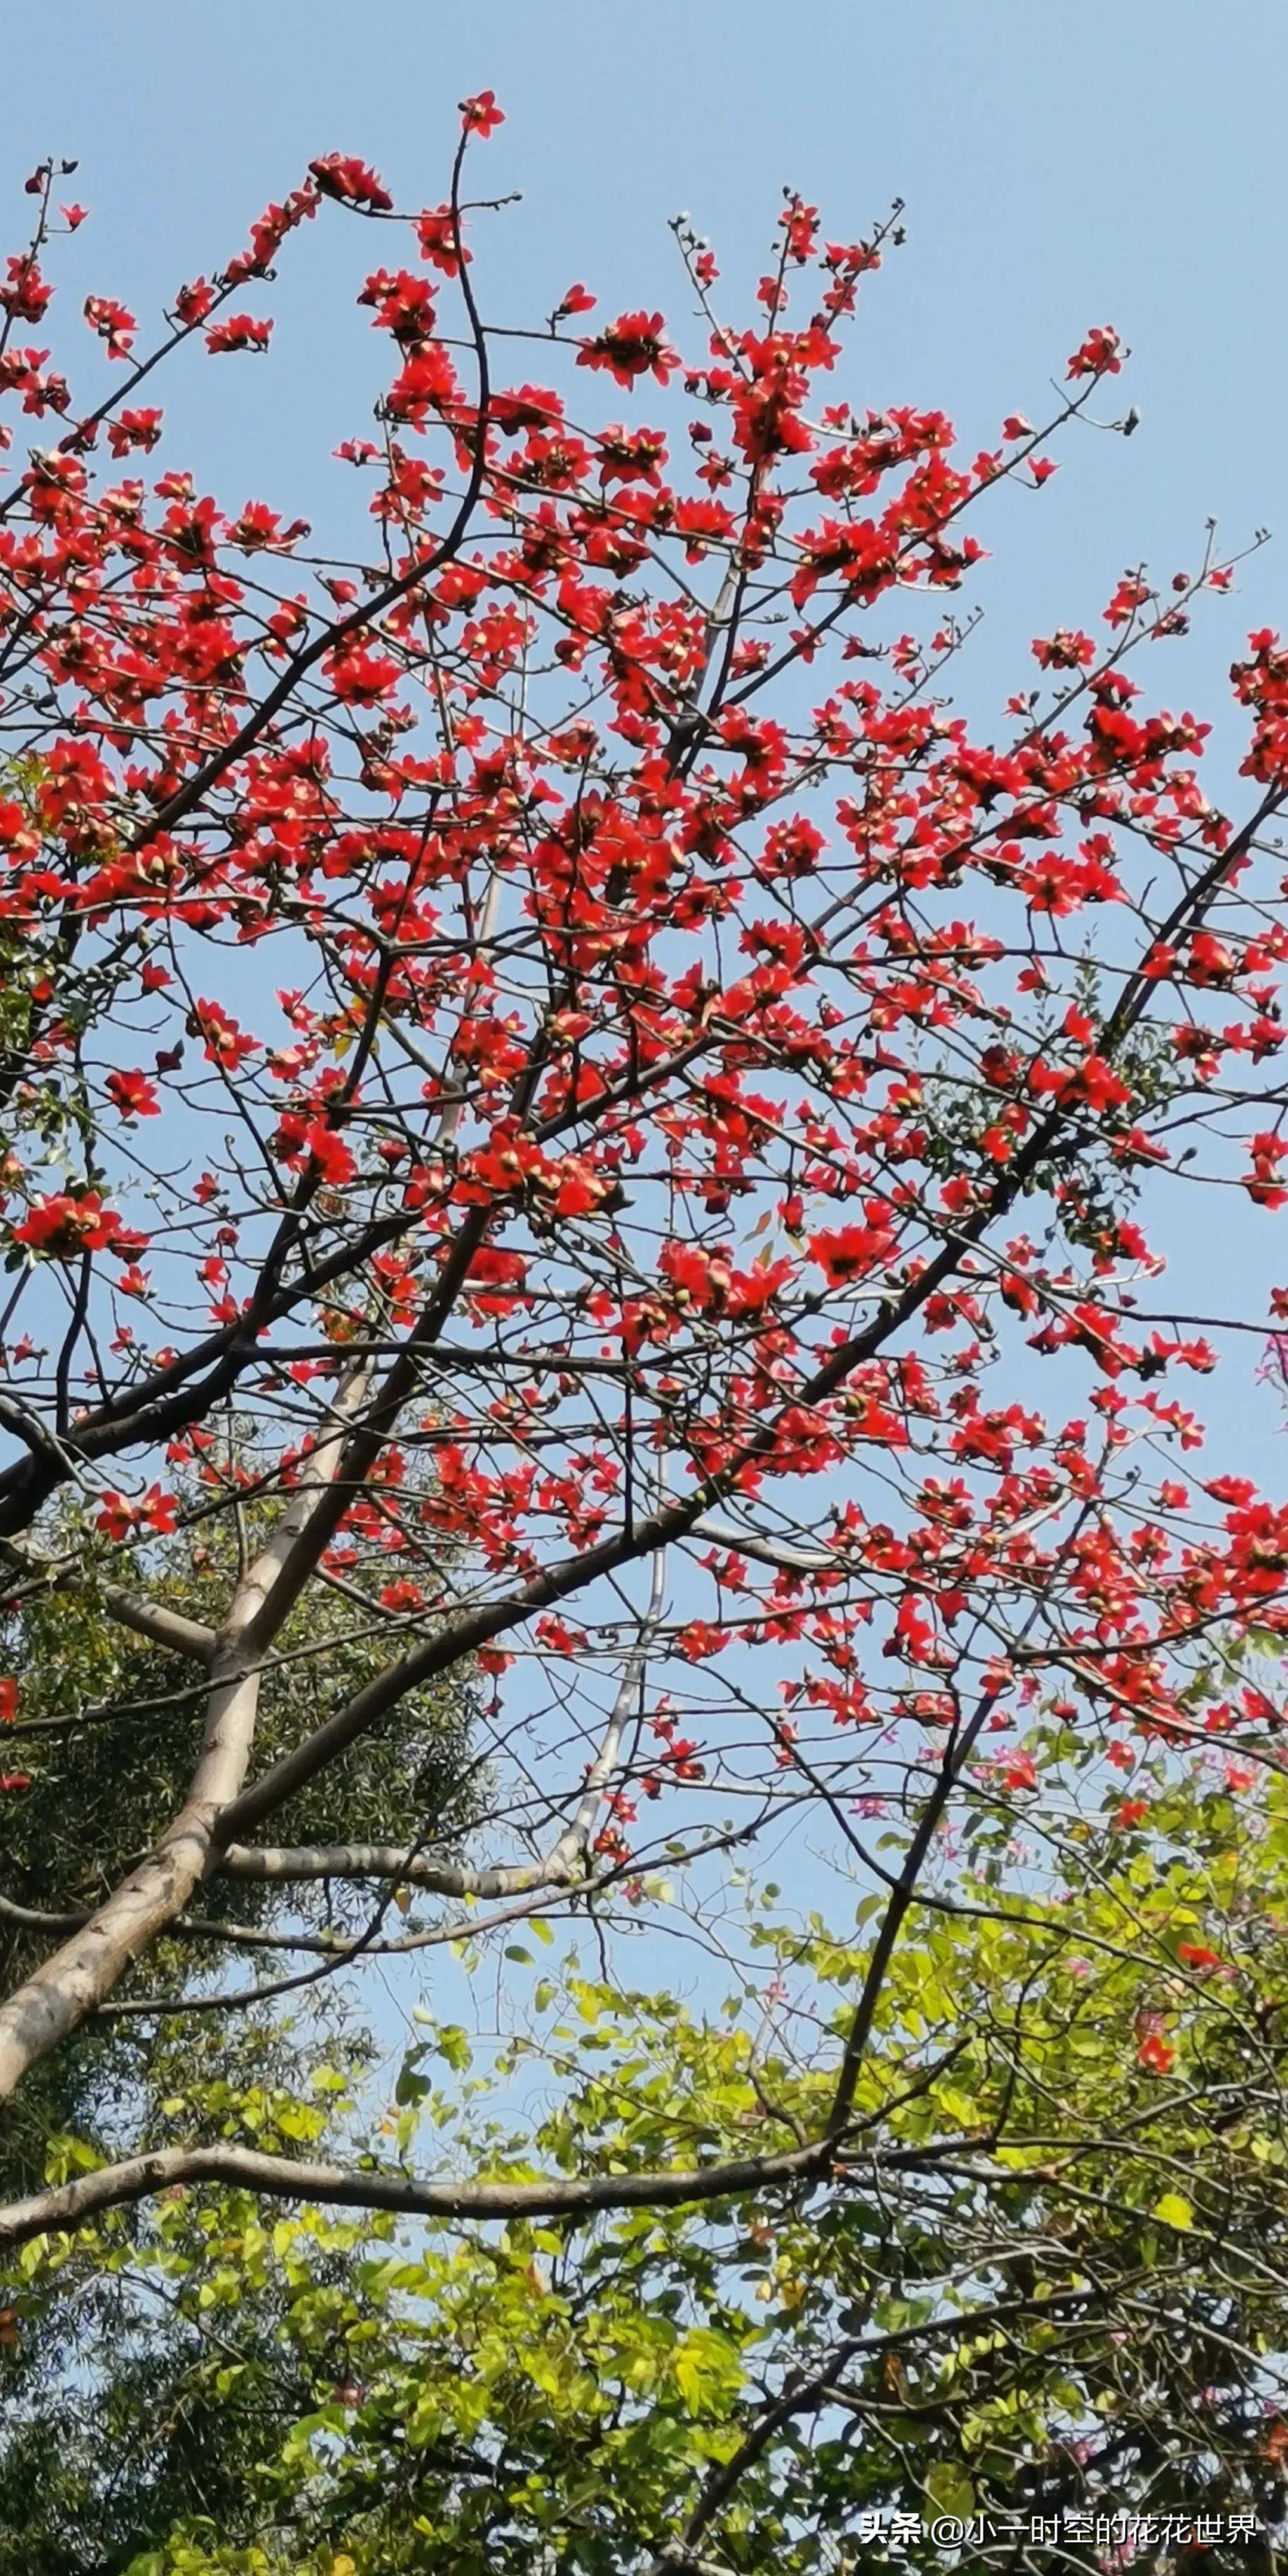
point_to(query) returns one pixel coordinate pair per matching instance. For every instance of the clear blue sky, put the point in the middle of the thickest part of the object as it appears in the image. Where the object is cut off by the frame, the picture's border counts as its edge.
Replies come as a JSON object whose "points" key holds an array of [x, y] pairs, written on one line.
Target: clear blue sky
{"points": [[1119, 160]]}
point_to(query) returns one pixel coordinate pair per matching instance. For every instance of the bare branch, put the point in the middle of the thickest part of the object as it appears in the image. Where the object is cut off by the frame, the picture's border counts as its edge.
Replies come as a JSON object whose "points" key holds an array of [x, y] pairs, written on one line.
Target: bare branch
{"points": [[158, 1622], [283, 1863]]}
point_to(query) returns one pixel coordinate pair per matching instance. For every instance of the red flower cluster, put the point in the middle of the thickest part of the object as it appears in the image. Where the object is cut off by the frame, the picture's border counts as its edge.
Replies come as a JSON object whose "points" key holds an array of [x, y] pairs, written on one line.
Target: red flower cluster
{"points": [[655, 1084]]}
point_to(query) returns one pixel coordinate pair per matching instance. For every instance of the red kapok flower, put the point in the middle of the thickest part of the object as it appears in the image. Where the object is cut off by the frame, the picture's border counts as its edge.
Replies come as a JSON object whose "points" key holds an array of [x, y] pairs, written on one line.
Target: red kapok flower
{"points": [[64, 1223], [133, 429], [1099, 355], [1196, 1955], [436, 233], [1154, 2049], [133, 1095], [192, 303], [225, 1042], [119, 1519], [240, 331], [24, 294], [342, 176], [115, 327], [634, 345], [481, 115], [361, 677], [1019, 1771], [849, 1251]]}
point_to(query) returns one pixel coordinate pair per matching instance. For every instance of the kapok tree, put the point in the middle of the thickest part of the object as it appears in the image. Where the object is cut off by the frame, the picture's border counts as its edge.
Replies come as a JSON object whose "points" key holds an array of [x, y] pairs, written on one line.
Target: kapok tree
{"points": [[562, 1099]]}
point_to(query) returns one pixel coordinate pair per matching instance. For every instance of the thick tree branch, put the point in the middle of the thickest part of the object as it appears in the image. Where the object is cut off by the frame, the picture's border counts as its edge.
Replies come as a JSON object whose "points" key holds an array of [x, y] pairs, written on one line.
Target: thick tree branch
{"points": [[282, 1863], [56, 1998], [136, 2178], [158, 1622]]}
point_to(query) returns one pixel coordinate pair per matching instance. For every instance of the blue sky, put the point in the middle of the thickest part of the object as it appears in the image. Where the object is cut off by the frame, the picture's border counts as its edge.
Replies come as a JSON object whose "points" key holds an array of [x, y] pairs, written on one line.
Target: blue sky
{"points": [[1118, 161], [1115, 162]]}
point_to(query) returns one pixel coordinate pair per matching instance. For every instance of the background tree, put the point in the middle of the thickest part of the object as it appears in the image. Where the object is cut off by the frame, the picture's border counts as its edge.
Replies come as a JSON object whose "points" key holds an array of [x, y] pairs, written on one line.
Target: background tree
{"points": [[1045, 2283], [135, 2403], [123, 2410], [659, 1123]]}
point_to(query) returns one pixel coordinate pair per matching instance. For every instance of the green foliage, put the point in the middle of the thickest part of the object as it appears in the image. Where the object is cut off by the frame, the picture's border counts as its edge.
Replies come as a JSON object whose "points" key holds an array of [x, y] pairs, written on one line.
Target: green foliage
{"points": [[128, 2404], [147, 2373], [96, 1697], [101, 1698], [1046, 2271]]}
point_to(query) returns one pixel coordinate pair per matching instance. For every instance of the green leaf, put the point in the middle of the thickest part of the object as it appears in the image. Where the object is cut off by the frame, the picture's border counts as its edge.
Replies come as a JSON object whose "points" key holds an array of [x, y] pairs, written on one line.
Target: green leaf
{"points": [[708, 2370], [950, 2491]]}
